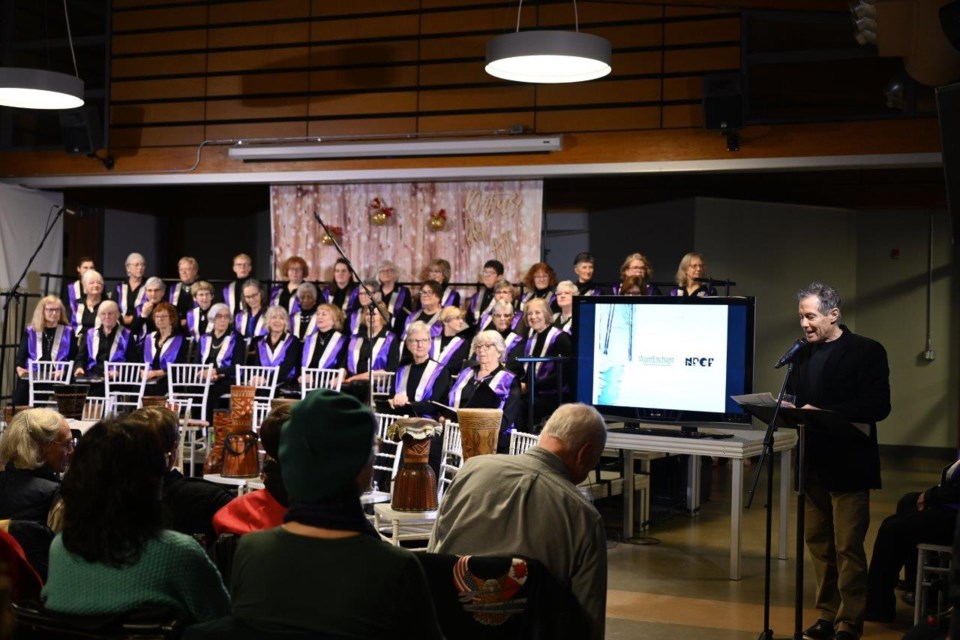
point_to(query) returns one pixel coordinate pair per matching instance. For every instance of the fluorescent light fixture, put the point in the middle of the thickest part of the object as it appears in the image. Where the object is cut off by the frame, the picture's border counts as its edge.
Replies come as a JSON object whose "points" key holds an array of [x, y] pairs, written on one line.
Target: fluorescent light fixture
{"points": [[39, 89], [396, 148], [548, 57]]}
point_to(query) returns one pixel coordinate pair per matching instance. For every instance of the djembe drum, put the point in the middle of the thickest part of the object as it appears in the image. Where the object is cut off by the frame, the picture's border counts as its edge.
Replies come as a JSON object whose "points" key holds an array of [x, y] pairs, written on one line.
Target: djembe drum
{"points": [[415, 488], [479, 430]]}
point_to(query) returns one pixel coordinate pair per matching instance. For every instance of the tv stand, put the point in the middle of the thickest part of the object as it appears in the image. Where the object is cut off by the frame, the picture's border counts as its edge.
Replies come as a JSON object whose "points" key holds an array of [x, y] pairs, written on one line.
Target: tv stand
{"points": [[686, 431]]}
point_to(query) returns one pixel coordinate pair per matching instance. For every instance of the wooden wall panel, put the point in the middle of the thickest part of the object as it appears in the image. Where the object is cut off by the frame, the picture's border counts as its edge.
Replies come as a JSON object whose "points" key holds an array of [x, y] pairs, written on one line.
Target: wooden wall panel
{"points": [[158, 113], [367, 126], [592, 13], [476, 99], [332, 8], [364, 104], [249, 130], [616, 119], [258, 60], [238, 12], [268, 108], [157, 89], [139, 66], [258, 84], [684, 88], [683, 116], [156, 136], [440, 74], [160, 18], [435, 124], [364, 28], [599, 92], [260, 35], [346, 56], [156, 42], [698, 60], [721, 30], [370, 79], [471, 20]]}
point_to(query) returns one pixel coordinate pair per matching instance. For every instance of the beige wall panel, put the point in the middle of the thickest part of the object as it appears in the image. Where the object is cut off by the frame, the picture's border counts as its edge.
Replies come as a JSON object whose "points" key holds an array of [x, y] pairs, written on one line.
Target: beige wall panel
{"points": [[160, 18], [477, 121], [372, 53], [361, 28], [599, 119], [597, 92], [455, 73], [330, 8], [258, 83], [702, 31], [514, 96], [360, 79], [247, 131], [366, 103], [259, 60], [156, 137], [142, 90], [684, 115], [710, 59], [686, 88], [155, 42], [158, 65], [155, 113], [232, 12], [260, 35], [256, 109], [374, 126]]}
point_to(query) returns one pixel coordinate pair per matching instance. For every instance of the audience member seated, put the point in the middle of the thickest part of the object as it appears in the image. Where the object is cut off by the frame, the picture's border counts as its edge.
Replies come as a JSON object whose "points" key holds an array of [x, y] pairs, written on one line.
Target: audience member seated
{"points": [[510, 505], [539, 284], [383, 348], [325, 571], [395, 296], [921, 517], [189, 504], [343, 292], [566, 291], [451, 347], [111, 342], [164, 346], [277, 348], [23, 581], [638, 266], [439, 270], [85, 311], [181, 294], [47, 337], [114, 555], [250, 322], [131, 294], [233, 292], [285, 294], [691, 268], [198, 318], [34, 451], [583, 268], [489, 351], [303, 323], [483, 299], [326, 348], [264, 508], [142, 325], [545, 341], [223, 347]]}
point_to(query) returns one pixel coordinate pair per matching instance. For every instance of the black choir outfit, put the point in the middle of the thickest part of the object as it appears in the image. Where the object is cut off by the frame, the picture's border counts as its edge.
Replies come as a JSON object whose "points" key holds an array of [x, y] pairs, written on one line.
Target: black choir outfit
{"points": [[131, 299], [543, 294], [422, 383], [399, 303], [486, 321], [589, 289], [432, 320], [701, 291], [282, 296], [565, 325], [480, 303], [505, 387], [224, 353], [325, 350], [250, 325], [198, 323], [180, 296], [142, 326], [159, 354], [451, 351], [385, 350], [84, 317], [74, 295], [553, 343], [345, 298], [57, 343], [233, 296], [514, 343], [304, 323], [283, 354], [97, 348]]}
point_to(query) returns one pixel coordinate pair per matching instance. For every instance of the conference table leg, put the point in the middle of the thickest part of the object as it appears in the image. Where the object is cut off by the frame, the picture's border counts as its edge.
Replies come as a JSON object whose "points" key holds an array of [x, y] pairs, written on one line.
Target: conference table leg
{"points": [[736, 514]]}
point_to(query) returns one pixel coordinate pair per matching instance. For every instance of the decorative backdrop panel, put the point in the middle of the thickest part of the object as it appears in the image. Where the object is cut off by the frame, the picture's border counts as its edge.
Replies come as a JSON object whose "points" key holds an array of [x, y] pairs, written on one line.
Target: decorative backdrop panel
{"points": [[466, 223]]}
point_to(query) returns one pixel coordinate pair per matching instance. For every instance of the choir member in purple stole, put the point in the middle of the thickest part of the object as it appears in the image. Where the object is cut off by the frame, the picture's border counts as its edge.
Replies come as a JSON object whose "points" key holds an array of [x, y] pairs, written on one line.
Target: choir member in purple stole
{"points": [[278, 348], [539, 284], [75, 289], [132, 294], [110, 342], [164, 346], [326, 349], [395, 296], [637, 265], [583, 268], [503, 292], [181, 294], [489, 372], [250, 322], [233, 292], [355, 323], [198, 318], [142, 324], [692, 267], [418, 382], [343, 292], [544, 340], [439, 270], [224, 348], [48, 337], [85, 313], [303, 323], [451, 346], [483, 299], [429, 311], [383, 347], [513, 340], [285, 294], [566, 291]]}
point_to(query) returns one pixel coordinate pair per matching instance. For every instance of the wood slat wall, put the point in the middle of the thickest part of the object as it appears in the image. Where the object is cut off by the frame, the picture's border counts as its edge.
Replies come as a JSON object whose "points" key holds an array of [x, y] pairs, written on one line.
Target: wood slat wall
{"points": [[187, 71]]}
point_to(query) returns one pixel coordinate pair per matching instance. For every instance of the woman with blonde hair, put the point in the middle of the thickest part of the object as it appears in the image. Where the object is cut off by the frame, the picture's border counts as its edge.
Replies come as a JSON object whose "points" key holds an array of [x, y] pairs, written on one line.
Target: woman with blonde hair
{"points": [[439, 270], [545, 341], [85, 313], [325, 349], [566, 292], [278, 348], [47, 337], [690, 271], [396, 296], [637, 265]]}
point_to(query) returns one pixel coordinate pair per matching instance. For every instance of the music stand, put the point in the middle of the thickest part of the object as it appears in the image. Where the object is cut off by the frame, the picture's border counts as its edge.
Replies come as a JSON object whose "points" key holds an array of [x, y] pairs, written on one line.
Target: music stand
{"points": [[532, 377]]}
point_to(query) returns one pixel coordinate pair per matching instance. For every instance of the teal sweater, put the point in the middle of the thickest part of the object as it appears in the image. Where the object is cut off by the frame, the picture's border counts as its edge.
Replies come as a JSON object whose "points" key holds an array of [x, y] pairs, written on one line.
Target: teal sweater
{"points": [[173, 571]]}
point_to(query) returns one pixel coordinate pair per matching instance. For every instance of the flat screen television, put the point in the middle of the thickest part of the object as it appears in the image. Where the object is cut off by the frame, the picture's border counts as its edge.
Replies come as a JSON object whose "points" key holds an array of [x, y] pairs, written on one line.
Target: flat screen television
{"points": [[665, 360]]}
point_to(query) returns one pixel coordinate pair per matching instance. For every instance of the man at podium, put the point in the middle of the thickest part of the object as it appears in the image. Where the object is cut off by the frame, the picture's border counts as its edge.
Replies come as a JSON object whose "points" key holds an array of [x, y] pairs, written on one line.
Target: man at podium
{"points": [[839, 371]]}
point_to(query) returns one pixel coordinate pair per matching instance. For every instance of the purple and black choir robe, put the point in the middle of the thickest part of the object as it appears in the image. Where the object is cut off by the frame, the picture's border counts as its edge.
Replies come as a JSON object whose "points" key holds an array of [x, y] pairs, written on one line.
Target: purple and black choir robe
{"points": [[96, 349], [505, 386], [285, 355]]}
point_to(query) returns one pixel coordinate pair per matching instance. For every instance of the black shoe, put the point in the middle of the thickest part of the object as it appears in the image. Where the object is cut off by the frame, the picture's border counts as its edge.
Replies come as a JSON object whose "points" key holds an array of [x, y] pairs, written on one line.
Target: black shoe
{"points": [[846, 635], [822, 630], [909, 597]]}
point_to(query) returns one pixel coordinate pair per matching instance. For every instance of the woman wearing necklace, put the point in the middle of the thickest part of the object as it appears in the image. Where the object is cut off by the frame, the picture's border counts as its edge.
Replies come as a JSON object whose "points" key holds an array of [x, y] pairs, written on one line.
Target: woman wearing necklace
{"points": [[250, 323], [85, 314], [130, 294], [429, 311], [539, 283], [343, 292], [384, 347], [502, 385], [278, 348], [566, 291], [690, 270], [325, 349], [395, 296], [451, 346], [109, 343], [285, 293], [47, 337], [224, 349], [304, 322], [162, 347], [544, 340]]}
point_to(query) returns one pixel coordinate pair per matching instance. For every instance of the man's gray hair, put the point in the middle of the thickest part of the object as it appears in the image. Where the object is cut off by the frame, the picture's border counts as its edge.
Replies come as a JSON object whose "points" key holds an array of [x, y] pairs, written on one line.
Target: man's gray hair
{"points": [[307, 286], [154, 282], [827, 297], [576, 424]]}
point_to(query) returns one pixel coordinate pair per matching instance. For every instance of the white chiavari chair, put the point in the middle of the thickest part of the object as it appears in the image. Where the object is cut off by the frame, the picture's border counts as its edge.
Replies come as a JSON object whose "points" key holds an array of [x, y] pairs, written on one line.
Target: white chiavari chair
{"points": [[124, 384], [452, 460], [43, 376], [520, 442], [311, 379]]}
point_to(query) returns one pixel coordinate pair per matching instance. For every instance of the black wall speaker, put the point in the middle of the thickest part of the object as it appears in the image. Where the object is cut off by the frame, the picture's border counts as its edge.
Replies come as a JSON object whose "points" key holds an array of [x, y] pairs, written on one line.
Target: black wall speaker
{"points": [[948, 114], [722, 102], [81, 130]]}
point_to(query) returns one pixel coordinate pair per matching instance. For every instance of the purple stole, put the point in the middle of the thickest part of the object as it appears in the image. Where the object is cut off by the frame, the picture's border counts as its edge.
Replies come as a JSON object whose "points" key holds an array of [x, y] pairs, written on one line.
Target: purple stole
{"points": [[475, 303], [118, 347], [592, 291], [565, 325], [274, 357], [499, 382], [295, 321], [78, 310], [224, 355], [348, 301], [425, 388], [178, 289], [354, 322], [450, 298], [240, 323], [168, 352], [380, 352], [543, 369], [486, 321], [62, 339], [527, 297], [443, 355], [293, 305], [678, 292], [329, 356], [230, 297], [396, 300], [434, 324], [193, 323], [123, 291], [74, 293]]}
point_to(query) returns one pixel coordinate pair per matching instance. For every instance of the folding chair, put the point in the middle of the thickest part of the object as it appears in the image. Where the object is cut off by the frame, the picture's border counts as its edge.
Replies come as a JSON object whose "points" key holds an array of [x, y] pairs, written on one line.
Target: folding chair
{"points": [[520, 442], [43, 376], [312, 379], [263, 378], [452, 460], [124, 384], [382, 383]]}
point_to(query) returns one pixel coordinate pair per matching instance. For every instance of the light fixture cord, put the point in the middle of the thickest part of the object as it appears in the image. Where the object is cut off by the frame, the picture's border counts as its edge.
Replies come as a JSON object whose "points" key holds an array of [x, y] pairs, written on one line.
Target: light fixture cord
{"points": [[66, 16], [576, 16]]}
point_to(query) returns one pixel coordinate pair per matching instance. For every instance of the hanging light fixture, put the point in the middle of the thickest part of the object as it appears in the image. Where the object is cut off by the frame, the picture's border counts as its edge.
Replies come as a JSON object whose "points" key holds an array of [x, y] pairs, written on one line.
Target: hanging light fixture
{"points": [[549, 57], [40, 89]]}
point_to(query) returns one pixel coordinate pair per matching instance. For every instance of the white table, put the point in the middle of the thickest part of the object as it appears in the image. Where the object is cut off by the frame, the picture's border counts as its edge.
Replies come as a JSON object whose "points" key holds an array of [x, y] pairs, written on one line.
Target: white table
{"points": [[743, 444], [419, 523]]}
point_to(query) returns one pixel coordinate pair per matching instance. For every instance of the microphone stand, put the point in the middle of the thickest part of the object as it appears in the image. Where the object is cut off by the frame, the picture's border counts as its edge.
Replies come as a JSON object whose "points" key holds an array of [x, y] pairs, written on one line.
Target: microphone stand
{"points": [[14, 292], [767, 633], [710, 282], [371, 308]]}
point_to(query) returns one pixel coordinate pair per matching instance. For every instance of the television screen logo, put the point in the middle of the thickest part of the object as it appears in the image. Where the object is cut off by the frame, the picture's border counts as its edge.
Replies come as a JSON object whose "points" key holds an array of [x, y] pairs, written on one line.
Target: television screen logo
{"points": [[699, 362]]}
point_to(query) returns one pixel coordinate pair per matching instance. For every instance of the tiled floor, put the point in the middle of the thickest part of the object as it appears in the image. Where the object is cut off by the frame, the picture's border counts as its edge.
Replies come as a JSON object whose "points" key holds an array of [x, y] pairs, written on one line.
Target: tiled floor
{"points": [[678, 586]]}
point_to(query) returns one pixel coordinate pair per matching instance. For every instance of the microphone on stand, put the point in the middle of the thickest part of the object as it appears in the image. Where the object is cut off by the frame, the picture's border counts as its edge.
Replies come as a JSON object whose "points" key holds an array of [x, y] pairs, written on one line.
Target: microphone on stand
{"points": [[791, 353]]}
